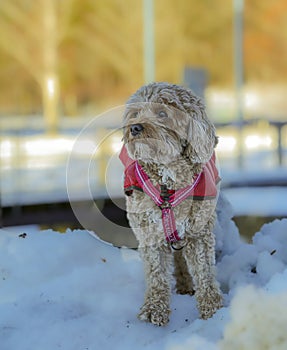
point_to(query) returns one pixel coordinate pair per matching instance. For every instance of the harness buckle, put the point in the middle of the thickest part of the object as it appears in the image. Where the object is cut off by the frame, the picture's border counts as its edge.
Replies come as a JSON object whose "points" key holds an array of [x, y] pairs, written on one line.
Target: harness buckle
{"points": [[165, 205], [164, 195]]}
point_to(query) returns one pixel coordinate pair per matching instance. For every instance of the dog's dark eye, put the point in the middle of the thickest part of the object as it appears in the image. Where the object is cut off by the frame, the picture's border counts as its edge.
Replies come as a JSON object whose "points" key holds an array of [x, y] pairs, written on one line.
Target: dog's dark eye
{"points": [[162, 114]]}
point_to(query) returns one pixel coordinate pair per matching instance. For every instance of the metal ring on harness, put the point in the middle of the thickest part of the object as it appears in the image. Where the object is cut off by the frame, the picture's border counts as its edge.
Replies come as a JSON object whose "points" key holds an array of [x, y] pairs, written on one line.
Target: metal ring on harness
{"points": [[172, 243]]}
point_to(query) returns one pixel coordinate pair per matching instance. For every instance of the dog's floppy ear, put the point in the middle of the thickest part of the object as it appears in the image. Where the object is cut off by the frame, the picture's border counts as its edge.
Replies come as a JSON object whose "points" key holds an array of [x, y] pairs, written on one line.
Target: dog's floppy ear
{"points": [[201, 139]]}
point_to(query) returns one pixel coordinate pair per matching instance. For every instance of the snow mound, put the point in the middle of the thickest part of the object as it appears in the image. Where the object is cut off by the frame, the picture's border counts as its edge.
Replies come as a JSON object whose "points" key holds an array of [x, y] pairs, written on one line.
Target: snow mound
{"points": [[257, 321], [255, 263]]}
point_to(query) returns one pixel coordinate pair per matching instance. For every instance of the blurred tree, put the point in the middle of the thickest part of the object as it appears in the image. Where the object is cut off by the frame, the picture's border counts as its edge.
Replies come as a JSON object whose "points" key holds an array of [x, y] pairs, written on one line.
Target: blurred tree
{"points": [[102, 54], [86, 52], [195, 33], [265, 40], [87, 47], [31, 38]]}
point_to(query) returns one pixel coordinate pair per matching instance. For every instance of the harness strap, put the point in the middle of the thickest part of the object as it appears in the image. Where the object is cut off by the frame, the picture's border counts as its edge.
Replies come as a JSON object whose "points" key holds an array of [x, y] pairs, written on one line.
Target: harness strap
{"points": [[169, 227], [165, 203], [181, 194]]}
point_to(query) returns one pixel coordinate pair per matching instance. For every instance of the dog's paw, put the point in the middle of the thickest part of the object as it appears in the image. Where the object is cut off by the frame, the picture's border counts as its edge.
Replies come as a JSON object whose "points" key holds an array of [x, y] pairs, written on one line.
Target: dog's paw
{"points": [[156, 312], [184, 290], [209, 302]]}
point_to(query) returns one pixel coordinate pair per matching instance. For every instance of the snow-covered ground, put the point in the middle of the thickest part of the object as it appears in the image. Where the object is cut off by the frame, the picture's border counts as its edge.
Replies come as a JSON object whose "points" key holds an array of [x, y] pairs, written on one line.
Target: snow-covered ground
{"points": [[74, 292]]}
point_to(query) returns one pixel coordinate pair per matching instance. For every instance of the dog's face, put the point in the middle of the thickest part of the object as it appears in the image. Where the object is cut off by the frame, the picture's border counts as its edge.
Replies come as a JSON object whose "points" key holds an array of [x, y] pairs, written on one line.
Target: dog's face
{"points": [[163, 122], [151, 132]]}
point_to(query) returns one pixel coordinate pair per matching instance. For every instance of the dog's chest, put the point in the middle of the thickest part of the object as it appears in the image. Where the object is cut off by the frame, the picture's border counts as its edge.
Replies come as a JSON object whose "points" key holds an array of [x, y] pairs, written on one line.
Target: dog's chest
{"points": [[144, 214], [167, 176], [143, 211], [174, 176]]}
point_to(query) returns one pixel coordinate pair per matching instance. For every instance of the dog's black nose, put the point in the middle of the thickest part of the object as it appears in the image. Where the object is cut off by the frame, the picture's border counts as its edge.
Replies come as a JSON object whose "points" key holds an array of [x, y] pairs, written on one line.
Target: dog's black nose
{"points": [[136, 129]]}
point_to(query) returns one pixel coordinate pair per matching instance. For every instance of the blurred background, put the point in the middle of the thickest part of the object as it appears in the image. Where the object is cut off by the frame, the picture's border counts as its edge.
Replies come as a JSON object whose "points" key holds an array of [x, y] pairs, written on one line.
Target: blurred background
{"points": [[64, 62]]}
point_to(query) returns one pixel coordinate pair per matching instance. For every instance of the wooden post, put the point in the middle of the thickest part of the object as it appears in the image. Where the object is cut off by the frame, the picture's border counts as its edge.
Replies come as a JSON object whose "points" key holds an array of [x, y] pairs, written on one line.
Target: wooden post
{"points": [[50, 81]]}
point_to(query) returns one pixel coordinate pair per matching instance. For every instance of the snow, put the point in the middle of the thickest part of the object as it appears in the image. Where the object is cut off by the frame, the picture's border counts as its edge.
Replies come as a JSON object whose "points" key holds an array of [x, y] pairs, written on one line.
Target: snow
{"points": [[71, 291], [257, 320], [257, 201]]}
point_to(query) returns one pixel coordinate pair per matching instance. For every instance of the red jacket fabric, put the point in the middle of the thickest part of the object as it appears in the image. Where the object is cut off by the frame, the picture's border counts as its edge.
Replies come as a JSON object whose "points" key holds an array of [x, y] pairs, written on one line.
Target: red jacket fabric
{"points": [[205, 188]]}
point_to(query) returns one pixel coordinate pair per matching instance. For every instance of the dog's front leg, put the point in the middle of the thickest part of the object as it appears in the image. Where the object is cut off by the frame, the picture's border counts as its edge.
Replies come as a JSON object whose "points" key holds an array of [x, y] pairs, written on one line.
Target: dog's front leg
{"points": [[158, 271], [200, 257]]}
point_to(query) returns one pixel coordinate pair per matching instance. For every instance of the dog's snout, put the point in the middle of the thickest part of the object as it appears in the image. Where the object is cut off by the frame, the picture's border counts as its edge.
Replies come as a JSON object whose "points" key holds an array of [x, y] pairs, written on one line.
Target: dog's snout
{"points": [[136, 129]]}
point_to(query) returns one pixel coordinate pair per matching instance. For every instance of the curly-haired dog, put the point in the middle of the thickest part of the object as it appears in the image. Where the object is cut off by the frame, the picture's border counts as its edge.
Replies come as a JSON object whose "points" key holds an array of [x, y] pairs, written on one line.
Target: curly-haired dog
{"points": [[170, 183]]}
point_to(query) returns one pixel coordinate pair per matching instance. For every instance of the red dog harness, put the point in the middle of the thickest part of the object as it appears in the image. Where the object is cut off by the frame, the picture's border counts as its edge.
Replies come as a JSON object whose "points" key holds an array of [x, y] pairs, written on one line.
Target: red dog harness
{"points": [[202, 187]]}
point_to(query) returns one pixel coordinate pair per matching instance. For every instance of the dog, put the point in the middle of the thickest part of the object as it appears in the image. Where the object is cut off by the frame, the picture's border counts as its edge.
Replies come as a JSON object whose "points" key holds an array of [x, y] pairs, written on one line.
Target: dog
{"points": [[171, 192]]}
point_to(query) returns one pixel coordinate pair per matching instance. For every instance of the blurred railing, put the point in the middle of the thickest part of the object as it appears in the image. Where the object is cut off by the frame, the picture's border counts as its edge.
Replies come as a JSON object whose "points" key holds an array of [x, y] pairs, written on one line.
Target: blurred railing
{"points": [[278, 125], [33, 165]]}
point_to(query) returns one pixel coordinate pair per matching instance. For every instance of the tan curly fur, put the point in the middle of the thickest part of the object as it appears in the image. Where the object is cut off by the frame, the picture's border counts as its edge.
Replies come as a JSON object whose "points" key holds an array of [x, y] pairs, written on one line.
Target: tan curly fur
{"points": [[175, 142]]}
